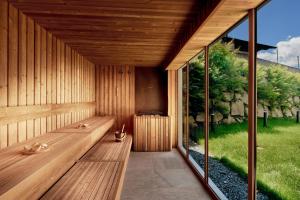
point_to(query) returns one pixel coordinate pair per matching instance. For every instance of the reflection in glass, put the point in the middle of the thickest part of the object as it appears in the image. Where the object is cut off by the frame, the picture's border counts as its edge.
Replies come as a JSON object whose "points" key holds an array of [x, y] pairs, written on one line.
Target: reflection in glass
{"points": [[197, 111]]}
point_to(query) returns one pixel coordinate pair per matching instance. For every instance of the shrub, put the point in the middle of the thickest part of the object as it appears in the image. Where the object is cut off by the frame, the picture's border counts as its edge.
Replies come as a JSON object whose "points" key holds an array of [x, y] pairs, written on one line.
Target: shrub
{"points": [[276, 85], [228, 73]]}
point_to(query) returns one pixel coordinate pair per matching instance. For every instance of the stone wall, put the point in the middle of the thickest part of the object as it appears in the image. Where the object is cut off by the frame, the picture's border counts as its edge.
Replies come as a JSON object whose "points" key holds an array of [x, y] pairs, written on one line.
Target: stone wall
{"points": [[235, 109]]}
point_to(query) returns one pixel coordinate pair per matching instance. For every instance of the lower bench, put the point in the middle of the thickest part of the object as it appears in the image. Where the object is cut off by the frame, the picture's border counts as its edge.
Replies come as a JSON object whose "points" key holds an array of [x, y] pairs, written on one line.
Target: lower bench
{"points": [[30, 176], [98, 175]]}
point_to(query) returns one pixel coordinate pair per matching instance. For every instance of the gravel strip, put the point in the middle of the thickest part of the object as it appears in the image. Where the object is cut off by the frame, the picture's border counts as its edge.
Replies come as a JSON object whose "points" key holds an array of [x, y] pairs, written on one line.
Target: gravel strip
{"points": [[232, 185]]}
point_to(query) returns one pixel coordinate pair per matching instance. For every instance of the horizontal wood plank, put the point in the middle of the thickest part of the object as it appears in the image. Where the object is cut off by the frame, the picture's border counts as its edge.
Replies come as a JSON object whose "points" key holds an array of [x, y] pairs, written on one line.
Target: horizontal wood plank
{"points": [[98, 175], [129, 23], [109, 150], [29, 176], [20, 113], [225, 14]]}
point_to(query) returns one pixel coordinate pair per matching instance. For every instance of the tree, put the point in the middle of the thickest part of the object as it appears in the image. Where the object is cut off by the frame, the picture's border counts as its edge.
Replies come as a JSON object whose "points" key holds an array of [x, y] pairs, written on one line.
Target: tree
{"points": [[226, 74]]}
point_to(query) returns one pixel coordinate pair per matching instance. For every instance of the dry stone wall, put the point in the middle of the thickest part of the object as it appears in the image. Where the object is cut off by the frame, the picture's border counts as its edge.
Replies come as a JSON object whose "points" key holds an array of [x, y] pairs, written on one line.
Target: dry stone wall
{"points": [[235, 109]]}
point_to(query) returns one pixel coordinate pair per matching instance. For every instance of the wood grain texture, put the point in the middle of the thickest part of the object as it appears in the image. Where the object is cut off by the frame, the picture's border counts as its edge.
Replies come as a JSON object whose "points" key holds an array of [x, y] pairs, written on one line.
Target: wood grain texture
{"points": [[140, 34], [151, 91], [115, 93], [28, 177], [98, 175], [127, 32], [37, 70], [14, 114], [173, 105], [109, 150], [152, 133], [225, 14], [3, 67], [13, 29]]}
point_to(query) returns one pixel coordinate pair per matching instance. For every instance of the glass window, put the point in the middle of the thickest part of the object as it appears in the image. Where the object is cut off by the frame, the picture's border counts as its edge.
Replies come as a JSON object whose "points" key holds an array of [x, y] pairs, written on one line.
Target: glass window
{"points": [[197, 112], [228, 100], [182, 108], [278, 92]]}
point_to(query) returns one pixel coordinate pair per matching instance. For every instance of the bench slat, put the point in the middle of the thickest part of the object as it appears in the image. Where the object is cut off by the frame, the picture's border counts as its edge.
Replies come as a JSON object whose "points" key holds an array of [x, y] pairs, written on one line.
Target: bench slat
{"points": [[29, 176], [94, 181], [109, 150], [98, 175], [93, 124]]}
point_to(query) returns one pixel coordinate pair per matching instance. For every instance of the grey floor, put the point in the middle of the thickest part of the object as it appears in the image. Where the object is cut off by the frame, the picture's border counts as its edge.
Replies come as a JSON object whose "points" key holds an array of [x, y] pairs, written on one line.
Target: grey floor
{"points": [[160, 176]]}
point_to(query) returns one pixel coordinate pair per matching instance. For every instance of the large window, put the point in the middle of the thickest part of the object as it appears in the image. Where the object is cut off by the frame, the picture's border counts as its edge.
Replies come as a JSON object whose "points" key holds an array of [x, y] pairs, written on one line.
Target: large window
{"points": [[243, 146], [278, 93], [197, 112], [228, 138]]}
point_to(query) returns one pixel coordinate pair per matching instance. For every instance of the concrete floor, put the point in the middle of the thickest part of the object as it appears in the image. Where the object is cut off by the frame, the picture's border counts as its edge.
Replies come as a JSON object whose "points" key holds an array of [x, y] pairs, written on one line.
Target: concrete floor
{"points": [[160, 176]]}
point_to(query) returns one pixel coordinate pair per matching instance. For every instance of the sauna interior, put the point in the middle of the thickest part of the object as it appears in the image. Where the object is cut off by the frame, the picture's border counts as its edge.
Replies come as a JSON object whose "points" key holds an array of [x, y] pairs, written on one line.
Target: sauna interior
{"points": [[73, 73]]}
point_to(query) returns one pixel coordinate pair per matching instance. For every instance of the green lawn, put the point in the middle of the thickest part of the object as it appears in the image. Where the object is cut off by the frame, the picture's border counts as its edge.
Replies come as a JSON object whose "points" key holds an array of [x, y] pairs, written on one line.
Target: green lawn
{"points": [[278, 154]]}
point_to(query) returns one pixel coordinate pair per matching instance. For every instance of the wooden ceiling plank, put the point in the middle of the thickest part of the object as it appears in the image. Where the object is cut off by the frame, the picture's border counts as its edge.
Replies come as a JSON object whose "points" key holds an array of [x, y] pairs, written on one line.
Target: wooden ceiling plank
{"points": [[218, 21], [138, 32]]}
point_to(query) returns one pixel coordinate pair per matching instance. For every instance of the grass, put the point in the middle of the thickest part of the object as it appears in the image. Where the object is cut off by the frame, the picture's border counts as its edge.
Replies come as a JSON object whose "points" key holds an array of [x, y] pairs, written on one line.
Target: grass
{"points": [[278, 154]]}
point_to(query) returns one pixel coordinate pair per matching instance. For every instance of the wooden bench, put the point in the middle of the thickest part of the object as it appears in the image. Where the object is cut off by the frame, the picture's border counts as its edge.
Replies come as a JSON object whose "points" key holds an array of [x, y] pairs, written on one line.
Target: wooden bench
{"points": [[30, 176], [99, 174]]}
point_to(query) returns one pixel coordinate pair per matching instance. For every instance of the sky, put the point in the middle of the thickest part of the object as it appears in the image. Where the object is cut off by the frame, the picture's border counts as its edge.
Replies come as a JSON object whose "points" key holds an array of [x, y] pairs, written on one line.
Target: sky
{"points": [[278, 24]]}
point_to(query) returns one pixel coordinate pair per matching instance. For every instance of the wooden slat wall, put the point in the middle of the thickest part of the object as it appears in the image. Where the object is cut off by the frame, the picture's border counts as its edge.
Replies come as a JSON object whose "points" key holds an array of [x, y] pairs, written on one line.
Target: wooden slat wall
{"points": [[36, 69], [115, 93], [152, 133], [173, 105]]}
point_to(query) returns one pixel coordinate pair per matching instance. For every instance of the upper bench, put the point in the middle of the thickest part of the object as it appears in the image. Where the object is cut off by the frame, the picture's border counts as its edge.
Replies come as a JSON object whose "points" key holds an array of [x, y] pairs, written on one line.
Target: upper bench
{"points": [[29, 176]]}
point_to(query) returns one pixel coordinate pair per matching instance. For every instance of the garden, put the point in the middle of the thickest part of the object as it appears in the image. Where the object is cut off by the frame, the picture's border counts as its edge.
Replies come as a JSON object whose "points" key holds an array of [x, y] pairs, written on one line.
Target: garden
{"points": [[278, 143]]}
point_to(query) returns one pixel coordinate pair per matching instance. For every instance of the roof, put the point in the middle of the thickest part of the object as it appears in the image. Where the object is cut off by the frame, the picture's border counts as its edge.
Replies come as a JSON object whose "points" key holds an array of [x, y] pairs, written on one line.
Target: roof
{"points": [[242, 45]]}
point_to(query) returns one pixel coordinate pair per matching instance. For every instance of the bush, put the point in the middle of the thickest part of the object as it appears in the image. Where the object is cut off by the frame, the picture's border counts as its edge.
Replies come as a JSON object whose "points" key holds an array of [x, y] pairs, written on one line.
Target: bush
{"points": [[228, 73], [276, 85]]}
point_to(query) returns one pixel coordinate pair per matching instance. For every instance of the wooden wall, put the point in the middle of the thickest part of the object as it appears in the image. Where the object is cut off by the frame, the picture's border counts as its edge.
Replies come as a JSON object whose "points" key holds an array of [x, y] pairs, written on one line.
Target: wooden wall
{"points": [[152, 133], [115, 93], [44, 84], [151, 90], [173, 105]]}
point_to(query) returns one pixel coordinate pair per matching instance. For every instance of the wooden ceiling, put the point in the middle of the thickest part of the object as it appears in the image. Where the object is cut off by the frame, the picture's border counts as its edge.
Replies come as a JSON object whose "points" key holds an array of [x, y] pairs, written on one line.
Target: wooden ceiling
{"points": [[225, 15], [144, 33], [116, 32]]}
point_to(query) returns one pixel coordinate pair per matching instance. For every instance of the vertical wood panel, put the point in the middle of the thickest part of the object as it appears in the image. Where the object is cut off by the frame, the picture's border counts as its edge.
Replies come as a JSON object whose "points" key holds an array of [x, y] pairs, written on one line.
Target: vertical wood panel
{"points": [[152, 133], [68, 82], [37, 76], [115, 93], [30, 73], [3, 66], [22, 63], [49, 78], [13, 69], [73, 83], [54, 81], [62, 80], [58, 80], [36, 68], [43, 76], [172, 105]]}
